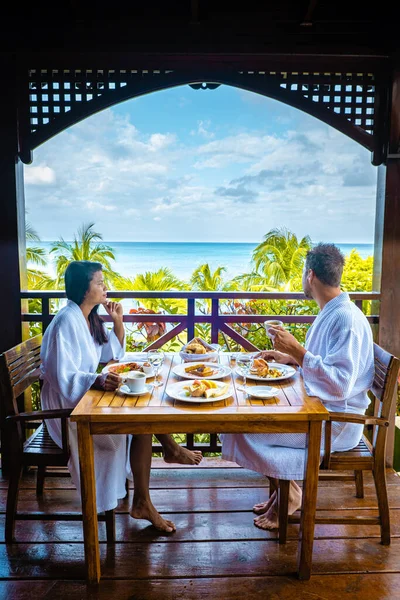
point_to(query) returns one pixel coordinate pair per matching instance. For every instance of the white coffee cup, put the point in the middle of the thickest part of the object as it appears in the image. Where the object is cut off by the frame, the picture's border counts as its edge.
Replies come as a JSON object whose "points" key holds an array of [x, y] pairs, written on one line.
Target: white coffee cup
{"points": [[135, 380], [272, 323]]}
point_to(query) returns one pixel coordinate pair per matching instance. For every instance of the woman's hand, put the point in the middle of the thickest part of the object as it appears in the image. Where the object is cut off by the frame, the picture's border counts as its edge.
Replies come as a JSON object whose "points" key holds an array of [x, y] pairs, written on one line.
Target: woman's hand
{"points": [[107, 381], [114, 309]]}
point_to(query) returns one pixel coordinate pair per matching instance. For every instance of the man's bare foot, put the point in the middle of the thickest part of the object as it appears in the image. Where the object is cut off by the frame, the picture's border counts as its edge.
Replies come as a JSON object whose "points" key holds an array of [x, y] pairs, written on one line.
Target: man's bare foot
{"points": [[182, 456], [146, 510], [270, 519]]}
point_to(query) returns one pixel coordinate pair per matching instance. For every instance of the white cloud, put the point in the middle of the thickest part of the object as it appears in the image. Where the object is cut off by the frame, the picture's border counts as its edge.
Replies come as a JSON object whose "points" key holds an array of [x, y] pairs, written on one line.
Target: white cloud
{"points": [[91, 205], [40, 175]]}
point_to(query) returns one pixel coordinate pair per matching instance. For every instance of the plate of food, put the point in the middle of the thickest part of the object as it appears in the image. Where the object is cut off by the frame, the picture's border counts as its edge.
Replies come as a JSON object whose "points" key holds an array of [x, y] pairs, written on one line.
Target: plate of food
{"points": [[123, 367], [197, 349], [263, 371], [205, 390], [200, 370]]}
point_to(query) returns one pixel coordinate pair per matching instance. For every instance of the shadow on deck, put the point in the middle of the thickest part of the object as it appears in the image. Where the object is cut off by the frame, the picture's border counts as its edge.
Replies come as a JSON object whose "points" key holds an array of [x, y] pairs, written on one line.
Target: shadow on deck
{"points": [[215, 553]]}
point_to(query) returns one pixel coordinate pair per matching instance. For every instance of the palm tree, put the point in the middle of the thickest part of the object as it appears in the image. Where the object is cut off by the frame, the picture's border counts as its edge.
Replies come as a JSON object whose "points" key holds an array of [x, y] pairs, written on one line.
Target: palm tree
{"points": [[207, 281], [280, 258], [162, 280], [86, 246], [34, 254]]}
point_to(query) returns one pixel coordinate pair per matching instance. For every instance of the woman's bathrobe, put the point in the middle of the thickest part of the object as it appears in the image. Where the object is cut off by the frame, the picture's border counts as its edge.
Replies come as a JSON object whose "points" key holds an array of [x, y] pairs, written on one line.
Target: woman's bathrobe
{"points": [[70, 357], [338, 368]]}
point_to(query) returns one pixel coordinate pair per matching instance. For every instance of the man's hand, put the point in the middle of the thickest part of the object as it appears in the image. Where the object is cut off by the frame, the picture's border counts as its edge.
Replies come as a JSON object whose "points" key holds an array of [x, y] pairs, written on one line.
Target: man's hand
{"points": [[286, 343], [114, 309], [107, 381], [279, 357]]}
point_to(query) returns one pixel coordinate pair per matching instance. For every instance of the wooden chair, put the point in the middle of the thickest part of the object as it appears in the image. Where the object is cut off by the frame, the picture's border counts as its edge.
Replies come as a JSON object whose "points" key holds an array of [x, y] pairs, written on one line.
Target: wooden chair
{"points": [[367, 456], [19, 368]]}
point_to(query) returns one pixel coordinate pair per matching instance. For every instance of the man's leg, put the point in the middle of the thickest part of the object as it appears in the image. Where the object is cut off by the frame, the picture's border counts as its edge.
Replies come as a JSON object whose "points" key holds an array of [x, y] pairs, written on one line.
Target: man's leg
{"points": [[142, 507], [174, 453]]}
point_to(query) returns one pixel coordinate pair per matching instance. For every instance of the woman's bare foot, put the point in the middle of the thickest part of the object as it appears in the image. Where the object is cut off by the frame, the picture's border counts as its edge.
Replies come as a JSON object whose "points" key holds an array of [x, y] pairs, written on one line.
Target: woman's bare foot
{"points": [[146, 510], [182, 456], [262, 508], [270, 518]]}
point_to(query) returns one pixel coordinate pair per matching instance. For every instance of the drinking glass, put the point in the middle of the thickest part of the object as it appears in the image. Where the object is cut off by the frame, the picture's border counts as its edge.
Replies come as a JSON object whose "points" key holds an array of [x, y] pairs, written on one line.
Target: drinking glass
{"points": [[244, 360], [156, 359]]}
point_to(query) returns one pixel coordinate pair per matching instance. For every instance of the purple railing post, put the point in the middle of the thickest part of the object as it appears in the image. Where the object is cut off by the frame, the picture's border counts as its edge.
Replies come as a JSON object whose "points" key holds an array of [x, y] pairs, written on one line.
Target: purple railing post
{"points": [[45, 313], [214, 320], [191, 319]]}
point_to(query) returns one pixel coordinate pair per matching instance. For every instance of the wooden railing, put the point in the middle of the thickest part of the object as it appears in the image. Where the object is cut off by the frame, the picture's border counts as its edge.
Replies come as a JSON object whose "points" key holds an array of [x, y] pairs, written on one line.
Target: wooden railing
{"points": [[220, 322]]}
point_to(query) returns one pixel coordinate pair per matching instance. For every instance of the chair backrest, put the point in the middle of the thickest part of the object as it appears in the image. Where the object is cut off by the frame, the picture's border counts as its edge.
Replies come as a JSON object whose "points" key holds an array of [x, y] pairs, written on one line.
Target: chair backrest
{"points": [[383, 389], [19, 368]]}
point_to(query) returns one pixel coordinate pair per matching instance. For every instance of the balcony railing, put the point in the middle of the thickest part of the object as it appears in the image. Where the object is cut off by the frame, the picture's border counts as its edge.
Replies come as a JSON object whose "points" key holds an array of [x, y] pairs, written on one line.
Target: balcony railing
{"points": [[219, 321]]}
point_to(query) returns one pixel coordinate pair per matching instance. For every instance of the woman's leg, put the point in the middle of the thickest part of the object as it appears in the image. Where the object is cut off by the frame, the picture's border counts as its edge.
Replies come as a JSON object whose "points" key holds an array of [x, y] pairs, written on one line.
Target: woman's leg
{"points": [[269, 511], [142, 507], [174, 453]]}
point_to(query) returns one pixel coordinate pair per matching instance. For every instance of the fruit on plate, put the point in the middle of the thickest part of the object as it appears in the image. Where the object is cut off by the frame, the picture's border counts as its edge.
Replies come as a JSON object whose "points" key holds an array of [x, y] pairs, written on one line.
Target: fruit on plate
{"points": [[206, 389]]}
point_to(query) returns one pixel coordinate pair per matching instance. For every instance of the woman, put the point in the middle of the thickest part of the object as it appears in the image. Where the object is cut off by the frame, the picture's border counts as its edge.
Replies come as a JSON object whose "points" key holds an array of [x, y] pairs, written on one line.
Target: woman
{"points": [[73, 345]]}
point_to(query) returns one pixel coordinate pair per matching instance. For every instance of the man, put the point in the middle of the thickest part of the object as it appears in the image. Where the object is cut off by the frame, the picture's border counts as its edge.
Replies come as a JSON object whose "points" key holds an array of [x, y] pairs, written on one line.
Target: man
{"points": [[337, 364]]}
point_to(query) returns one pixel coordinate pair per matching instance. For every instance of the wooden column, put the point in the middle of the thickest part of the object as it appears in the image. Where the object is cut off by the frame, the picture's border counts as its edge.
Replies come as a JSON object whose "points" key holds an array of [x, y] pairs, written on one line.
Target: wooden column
{"points": [[388, 227], [12, 226]]}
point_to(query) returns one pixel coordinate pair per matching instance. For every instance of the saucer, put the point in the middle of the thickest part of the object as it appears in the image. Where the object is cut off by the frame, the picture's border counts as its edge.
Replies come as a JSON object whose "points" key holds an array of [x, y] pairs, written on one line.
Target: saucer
{"points": [[261, 391], [125, 390]]}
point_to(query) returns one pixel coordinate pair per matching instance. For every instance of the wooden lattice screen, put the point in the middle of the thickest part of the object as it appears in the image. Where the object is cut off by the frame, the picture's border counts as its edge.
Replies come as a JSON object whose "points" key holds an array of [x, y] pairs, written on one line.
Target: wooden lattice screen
{"points": [[58, 98]]}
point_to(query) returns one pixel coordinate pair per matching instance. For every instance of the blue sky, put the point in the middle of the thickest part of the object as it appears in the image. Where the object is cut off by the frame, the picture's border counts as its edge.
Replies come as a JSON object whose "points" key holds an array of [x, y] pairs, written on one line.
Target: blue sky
{"points": [[202, 165]]}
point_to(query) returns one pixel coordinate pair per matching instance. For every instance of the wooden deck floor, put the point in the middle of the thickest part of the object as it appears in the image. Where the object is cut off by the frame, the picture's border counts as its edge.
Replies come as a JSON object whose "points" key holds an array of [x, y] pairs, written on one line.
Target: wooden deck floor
{"points": [[216, 553]]}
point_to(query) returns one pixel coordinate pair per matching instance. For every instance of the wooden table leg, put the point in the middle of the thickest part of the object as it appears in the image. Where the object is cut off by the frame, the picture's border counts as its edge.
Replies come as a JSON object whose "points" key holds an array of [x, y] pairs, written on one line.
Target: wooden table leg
{"points": [[89, 508], [310, 489]]}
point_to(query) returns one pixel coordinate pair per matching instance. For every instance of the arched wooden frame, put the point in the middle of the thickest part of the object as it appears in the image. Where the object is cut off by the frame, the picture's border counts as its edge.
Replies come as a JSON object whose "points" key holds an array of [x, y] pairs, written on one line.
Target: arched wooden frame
{"points": [[51, 100]]}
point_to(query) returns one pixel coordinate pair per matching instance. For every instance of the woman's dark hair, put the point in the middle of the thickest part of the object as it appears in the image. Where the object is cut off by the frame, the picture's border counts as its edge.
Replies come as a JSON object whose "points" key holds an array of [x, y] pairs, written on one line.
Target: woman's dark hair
{"points": [[327, 262], [78, 276]]}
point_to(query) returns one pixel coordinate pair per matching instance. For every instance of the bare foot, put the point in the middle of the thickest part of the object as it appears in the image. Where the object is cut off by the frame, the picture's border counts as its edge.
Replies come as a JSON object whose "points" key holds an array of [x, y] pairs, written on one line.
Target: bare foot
{"points": [[262, 508], [146, 510], [270, 519], [182, 456]]}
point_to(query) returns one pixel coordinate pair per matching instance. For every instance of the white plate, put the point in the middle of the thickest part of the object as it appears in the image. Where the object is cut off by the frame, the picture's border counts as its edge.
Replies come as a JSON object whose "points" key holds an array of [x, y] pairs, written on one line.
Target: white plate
{"points": [[139, 362], [176, 391], [287, 371], [261, 391], [221, 371], [125, 390]]}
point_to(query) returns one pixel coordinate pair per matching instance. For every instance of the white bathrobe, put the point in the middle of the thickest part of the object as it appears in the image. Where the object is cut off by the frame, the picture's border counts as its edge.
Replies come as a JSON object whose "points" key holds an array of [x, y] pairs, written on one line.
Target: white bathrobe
{"points": [[338, 368], [70, 357]]}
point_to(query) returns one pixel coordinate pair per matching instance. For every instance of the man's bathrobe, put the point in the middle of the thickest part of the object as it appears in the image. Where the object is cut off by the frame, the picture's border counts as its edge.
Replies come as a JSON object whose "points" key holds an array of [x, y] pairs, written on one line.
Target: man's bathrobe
{"points": [[70, 357], [338, 368]]}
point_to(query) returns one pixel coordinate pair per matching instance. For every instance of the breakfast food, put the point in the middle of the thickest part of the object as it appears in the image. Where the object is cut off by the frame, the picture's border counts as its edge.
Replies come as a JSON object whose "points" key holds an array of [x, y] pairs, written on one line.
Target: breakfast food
{"points": [[194, 348], [261, 369], [125, 368], [206, 389], [200, 370]]}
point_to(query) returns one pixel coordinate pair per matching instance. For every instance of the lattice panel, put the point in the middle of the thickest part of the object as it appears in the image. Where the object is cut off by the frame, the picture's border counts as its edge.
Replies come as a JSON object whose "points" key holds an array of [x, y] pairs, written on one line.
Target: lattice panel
{"points": [[351, 95], [56, 92], [53, 93]]}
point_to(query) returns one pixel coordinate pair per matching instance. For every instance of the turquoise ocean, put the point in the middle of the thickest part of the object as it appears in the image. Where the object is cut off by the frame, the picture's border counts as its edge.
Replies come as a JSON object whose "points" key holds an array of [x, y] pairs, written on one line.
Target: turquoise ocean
{"points": [[183, 257]]}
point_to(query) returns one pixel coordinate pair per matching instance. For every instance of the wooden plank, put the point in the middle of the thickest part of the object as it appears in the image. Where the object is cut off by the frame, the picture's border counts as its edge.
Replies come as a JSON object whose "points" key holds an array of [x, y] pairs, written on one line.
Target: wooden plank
{"points": [[172, 500], [202, 559], [328, 587], [201, 526]]}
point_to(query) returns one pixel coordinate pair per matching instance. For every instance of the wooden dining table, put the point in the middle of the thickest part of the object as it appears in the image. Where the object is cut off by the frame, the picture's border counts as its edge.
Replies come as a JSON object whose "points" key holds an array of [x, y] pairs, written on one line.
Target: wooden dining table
{"points": [[291, 410]]}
